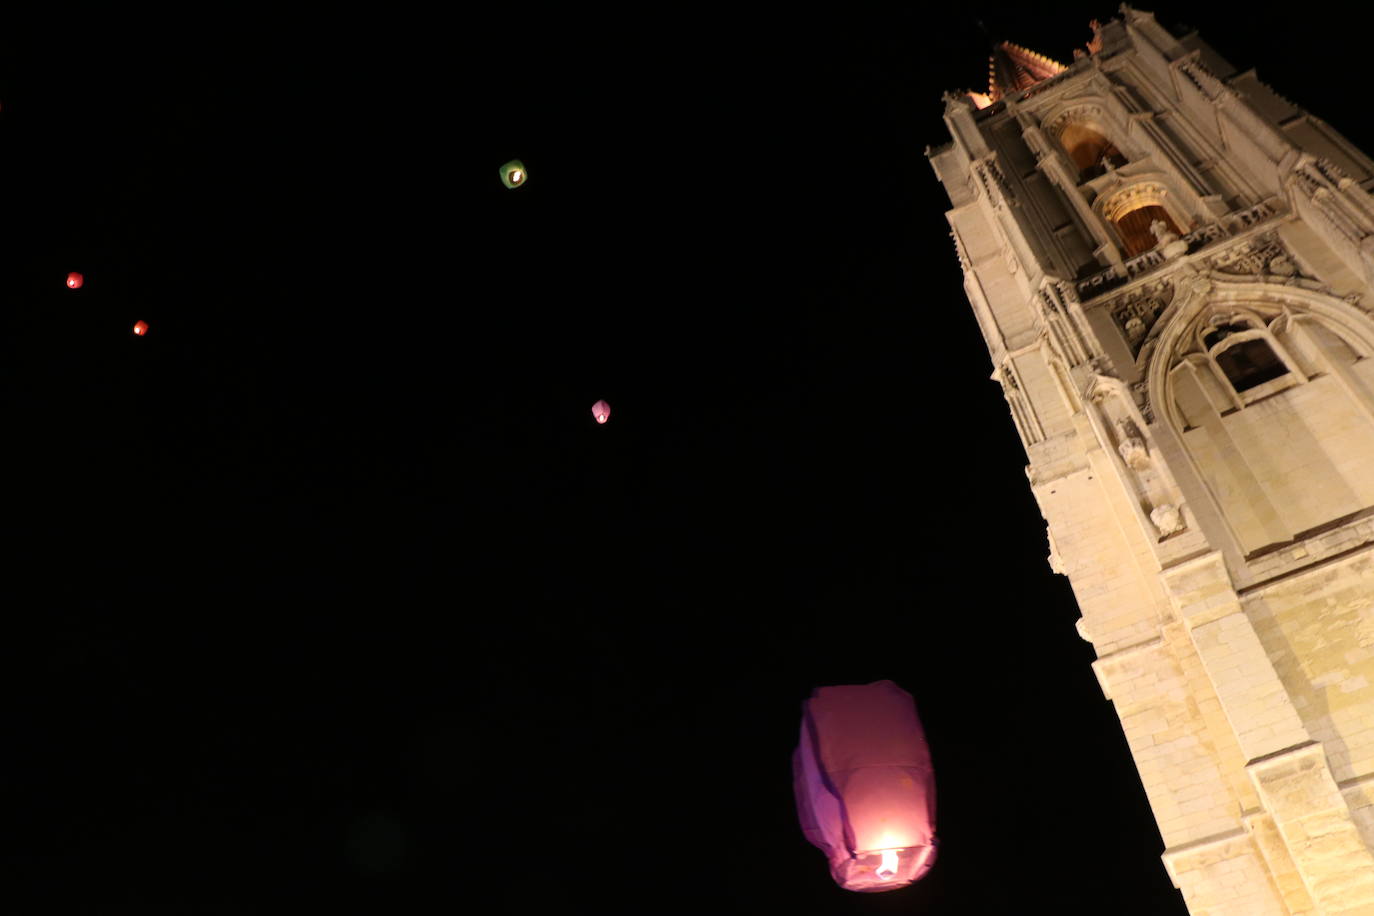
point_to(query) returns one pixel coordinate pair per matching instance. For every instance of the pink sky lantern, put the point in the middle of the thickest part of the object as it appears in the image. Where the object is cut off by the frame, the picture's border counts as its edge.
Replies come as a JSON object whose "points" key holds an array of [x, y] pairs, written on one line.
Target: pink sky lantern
{"points": [[864, 785], [140, 328], [74, 280], [602, 411]]}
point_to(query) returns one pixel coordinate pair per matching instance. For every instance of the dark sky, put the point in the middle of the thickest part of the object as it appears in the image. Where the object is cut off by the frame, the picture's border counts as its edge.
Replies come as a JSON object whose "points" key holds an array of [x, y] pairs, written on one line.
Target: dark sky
{"points": [[330, 593]]}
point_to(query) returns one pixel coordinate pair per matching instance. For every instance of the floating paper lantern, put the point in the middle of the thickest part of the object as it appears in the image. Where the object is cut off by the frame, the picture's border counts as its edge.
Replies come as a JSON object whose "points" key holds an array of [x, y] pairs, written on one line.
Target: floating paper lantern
{"points": [[864, 785], [140, 328], [513, 174], [74, 280], [602, 411]]}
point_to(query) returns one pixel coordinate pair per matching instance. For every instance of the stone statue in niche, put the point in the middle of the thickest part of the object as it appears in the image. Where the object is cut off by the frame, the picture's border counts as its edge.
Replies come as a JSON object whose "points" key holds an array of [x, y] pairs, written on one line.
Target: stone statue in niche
{"points": [[1167, 518], [1135, 329], [1155, 494], [1132, 445], [1168, 244]]}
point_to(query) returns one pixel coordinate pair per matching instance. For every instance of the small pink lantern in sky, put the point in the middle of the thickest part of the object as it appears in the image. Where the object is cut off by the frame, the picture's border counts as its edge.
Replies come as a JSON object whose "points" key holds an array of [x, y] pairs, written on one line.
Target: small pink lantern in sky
{"points": [[74, 280], [864, 785], [140, 328], [602, 411]]}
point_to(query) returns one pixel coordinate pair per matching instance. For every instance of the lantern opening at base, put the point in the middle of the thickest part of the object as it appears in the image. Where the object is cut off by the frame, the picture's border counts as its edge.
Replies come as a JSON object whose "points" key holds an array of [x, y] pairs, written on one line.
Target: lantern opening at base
{"points": [[514, 173], [864, 784]]}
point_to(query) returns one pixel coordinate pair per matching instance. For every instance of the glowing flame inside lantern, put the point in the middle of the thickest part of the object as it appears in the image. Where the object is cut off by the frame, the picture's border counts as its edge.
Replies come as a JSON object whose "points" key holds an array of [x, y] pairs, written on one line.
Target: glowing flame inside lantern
{"points": [[141, 328], [513, 174], [74, 280], [602, 411], [888, 868]]}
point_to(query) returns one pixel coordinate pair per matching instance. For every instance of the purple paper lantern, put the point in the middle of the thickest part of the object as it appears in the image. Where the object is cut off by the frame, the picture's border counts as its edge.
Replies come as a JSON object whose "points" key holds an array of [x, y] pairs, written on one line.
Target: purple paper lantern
{"points": [[865, 787], [602, 411]]}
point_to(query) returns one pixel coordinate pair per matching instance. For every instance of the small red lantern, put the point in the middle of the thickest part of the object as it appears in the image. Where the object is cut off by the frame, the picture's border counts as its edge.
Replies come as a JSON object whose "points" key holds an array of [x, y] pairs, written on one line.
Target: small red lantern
{"points": [[140, 328], [602, 411], [74, 280]]}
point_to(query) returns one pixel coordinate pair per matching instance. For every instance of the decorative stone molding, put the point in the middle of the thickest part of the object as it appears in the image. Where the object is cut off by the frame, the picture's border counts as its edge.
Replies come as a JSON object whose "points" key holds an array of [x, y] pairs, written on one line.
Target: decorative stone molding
{"points": [[1261, 255], [1140, 394], [1133, 197], [1141, 264], [961, 252], [1063, 316], [1090, 112], [994, 182]]}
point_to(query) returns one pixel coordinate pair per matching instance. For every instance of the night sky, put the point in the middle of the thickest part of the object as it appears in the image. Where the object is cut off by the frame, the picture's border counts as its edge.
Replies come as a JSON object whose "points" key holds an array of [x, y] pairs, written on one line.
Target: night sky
{"points": [[329, 592]]}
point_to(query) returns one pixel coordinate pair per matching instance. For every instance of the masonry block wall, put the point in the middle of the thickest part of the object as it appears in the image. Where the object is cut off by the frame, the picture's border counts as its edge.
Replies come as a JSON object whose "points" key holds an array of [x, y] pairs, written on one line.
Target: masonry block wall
{"points": [[1172, 267]]}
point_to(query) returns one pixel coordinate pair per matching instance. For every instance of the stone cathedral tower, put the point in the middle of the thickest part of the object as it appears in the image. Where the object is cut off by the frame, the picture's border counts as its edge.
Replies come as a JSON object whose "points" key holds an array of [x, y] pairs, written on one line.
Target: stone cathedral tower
{"points": [[1174, 270]]}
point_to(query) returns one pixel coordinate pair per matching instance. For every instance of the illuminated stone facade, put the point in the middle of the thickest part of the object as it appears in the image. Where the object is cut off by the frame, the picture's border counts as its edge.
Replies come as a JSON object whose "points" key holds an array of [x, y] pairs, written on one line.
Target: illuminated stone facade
{"points": [[1174, 270]]}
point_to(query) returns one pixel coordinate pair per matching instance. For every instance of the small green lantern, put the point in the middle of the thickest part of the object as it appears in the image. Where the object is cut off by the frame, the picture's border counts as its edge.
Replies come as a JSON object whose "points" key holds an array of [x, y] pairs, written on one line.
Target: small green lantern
{"points": [[513, 174]]}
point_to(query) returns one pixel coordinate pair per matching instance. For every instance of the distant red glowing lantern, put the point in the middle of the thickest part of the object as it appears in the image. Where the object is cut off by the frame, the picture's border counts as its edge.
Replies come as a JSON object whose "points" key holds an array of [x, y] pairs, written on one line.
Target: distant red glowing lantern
{"points": [[865, 787], [602, 411], [140, 328], [74, 280]]}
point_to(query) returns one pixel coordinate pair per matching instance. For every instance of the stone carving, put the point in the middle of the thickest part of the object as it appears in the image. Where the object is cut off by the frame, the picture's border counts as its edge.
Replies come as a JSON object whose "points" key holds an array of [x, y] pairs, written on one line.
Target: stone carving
{"points": [[1141, 395], [1132, 445], [1262, 255], [1255, 215], [1167, 518], [1282, 266], [1136, 312]]}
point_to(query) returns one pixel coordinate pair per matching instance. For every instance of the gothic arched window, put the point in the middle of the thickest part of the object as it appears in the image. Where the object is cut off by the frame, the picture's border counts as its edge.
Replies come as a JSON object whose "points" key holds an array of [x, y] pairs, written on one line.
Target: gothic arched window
{"points": [[1089, 149], [1141, 214], [1246, 354], [1134, 227]]}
